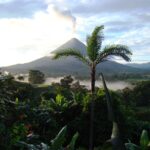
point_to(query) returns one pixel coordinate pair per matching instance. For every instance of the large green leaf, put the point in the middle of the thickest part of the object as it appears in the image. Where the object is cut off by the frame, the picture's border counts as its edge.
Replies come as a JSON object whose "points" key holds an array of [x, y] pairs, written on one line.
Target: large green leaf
{"points": [[58, 141], [131, 146], [71, 146], [144, 140]]}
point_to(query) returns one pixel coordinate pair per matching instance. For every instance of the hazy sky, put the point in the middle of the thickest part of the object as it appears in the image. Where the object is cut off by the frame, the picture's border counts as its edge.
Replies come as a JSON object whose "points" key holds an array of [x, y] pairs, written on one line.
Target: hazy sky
{"points": [[30, 29]]}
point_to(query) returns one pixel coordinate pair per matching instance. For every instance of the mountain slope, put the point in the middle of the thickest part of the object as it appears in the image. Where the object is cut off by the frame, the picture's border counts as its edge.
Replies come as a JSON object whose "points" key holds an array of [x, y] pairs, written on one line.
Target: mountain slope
{"points": [[72, 43], [140, 66], [69, 65]]}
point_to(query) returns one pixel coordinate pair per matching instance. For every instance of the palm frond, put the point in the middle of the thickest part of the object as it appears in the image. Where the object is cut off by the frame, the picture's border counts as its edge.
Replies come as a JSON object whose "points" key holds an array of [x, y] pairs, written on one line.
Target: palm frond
{"points": [[114, 50], [72, 52], [94, 42]]}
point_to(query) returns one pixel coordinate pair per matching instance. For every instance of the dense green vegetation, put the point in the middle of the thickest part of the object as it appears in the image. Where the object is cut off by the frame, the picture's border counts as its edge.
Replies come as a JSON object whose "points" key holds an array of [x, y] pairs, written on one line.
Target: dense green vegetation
{"points": [[67, 116], [32, 115]]}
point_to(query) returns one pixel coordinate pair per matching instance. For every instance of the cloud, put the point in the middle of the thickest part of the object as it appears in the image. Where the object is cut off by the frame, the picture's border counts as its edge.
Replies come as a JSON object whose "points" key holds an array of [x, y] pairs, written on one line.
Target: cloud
{"points": [[27, 9], [144, 17], [66, 14], [138, 41], [34, 27], [107, 6], [20, 8], [26, 39]]}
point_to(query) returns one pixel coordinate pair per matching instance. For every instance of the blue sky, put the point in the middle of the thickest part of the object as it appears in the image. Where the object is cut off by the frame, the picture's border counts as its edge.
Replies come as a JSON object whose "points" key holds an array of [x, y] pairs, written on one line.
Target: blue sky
{"points": [[30, 29]]}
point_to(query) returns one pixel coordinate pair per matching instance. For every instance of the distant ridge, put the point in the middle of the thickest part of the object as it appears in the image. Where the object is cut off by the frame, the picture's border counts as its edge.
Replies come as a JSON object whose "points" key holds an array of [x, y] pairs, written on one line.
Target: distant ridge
{"points": [[69, 65], [140, 66]]}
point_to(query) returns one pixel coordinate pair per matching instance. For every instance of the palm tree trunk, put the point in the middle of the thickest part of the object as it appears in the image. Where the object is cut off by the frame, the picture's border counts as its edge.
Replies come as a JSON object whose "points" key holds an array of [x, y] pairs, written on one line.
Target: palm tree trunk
{"points": [[93, 79], [92, 108]]}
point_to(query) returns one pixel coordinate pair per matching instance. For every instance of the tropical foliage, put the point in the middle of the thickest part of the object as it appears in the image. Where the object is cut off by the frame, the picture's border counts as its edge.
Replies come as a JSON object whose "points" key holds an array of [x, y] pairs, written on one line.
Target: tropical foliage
{"points": [[144, 143], [33, 120]]}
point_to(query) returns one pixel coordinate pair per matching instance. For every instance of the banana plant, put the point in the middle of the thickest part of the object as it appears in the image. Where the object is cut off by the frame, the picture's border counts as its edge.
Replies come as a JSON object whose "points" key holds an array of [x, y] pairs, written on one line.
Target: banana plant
{"points": [[55, 144], [115, 143], [71, 146], [144, 143], [58, 141]]}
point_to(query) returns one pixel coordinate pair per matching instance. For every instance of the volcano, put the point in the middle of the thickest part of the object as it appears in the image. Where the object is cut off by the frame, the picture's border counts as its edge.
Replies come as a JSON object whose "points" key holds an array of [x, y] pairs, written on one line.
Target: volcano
{"points": [[69, 65]]}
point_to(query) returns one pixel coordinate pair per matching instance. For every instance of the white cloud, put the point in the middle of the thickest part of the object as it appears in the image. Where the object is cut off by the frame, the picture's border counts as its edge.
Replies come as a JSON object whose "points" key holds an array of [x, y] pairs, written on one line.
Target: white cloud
{"points": [[64, 14], [25, 39], [138, 42]]}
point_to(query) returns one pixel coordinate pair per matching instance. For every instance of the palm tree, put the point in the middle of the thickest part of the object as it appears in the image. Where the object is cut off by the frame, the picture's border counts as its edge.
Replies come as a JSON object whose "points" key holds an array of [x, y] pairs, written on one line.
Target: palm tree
{"points": [[95, 55]]}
